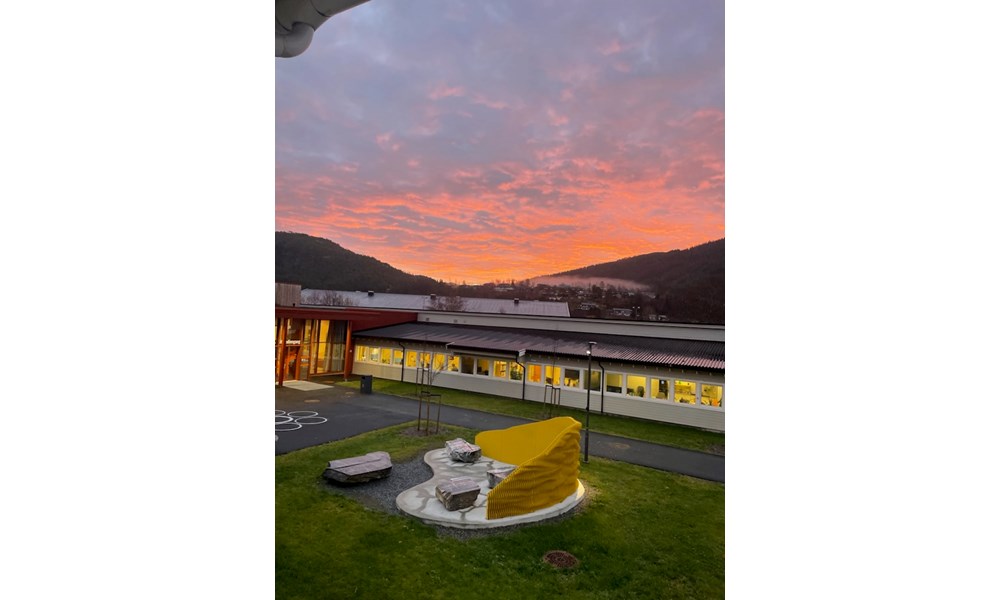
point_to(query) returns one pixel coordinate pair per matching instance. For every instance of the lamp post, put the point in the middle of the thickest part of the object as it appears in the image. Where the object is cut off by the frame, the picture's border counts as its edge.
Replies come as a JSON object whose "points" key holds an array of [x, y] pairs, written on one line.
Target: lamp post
{"points": [[586, 437]]}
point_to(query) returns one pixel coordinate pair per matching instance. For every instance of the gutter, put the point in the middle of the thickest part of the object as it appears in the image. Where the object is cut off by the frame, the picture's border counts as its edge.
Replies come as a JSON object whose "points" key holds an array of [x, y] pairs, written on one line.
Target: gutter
{"points": [[402, 364], [603, 385], [524, 375]]}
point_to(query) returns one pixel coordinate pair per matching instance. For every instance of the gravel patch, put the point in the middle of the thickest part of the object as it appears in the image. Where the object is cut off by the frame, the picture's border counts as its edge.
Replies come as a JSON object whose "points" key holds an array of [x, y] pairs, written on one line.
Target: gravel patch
{"points": [[380, 495]]}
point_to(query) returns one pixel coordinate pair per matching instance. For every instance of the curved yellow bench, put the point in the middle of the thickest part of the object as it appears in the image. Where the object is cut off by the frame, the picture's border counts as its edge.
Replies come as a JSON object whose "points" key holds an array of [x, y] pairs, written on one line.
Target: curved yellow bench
{"points": [[547, 456]]}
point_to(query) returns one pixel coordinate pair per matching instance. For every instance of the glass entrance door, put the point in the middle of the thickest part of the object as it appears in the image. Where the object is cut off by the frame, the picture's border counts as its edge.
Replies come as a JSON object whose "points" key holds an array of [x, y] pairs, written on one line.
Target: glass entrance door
{"points": [[291, 362]]}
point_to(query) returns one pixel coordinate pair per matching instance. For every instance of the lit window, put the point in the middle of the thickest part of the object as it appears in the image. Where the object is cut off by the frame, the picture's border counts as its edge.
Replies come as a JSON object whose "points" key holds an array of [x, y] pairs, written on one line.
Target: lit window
{"points": [[453, 363], [684, 392], [424, 359], [361, 353], [614, 383], [571, 378], [516, 371], [711, 395], [375, 355], [535, 373], [482, 366], [332, 337], [411, 358], [595, 381], [661, 389], [294, 331], [551, 375], [439, 360], [500, 369], [397, 357], [386, 356], [635, 386]]}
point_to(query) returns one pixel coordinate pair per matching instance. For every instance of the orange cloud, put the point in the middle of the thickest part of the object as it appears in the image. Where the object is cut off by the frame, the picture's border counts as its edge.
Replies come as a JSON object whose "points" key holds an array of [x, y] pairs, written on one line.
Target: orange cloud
{"points": [[507, 145]]}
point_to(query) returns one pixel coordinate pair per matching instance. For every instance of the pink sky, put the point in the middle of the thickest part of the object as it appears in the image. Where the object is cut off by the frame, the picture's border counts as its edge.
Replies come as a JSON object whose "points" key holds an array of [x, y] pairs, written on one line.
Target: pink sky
{"points": [[481, 141]]}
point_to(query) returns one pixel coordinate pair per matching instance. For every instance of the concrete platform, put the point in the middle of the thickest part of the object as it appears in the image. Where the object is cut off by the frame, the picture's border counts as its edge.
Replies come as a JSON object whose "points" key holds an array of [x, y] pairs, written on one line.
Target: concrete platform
{"points": [[421, 502]]}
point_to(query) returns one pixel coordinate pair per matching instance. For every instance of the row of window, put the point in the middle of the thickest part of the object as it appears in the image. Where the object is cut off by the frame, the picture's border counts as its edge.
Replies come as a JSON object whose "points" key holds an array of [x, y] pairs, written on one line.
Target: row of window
{"points": [[623, 383]]}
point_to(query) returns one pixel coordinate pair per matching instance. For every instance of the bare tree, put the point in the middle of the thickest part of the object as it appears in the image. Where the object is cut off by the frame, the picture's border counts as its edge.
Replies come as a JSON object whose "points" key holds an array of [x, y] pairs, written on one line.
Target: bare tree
{"points": [[448, 303], [330, 298]]}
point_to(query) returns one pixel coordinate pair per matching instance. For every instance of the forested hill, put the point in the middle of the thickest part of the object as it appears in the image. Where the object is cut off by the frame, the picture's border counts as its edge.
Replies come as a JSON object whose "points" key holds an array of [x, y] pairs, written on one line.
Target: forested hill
{"points": [[320, 264], [689, 284], [659, 268]]}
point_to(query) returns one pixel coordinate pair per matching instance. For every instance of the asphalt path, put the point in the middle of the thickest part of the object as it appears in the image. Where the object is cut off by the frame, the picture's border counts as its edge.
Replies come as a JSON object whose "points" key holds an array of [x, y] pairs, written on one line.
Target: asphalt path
{"points": [[305, 418]]}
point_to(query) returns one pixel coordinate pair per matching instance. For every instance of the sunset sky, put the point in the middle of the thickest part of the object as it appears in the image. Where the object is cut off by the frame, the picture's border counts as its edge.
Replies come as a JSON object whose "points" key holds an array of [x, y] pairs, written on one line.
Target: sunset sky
{"points": [[494, 140]]}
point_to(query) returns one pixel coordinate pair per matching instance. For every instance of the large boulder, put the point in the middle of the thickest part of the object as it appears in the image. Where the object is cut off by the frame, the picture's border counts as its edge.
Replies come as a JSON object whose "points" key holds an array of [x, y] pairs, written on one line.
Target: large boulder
{"points": [[358, 469], [463, 451], [495, 476], [457, 493]]}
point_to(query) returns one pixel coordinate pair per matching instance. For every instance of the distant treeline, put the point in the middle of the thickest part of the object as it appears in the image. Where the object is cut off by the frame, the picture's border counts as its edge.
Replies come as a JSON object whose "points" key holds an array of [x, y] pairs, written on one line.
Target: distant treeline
{"points": [[686, 285]]}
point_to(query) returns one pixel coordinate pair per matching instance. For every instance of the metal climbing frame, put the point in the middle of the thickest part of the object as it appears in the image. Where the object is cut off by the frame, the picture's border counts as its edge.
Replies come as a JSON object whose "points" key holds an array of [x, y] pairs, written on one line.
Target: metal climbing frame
{"points": [[551, 399], [425, 401]]}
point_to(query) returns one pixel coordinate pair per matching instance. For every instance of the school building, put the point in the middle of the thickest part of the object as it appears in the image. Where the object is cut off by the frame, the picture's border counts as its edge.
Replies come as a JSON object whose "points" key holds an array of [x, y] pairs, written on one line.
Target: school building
{"points": [[666, 372]]}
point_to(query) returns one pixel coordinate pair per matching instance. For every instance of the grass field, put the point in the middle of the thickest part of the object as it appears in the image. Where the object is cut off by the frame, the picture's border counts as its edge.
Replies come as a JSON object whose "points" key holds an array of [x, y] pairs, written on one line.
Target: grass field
{"points": [[638, 429], [641, 533]]}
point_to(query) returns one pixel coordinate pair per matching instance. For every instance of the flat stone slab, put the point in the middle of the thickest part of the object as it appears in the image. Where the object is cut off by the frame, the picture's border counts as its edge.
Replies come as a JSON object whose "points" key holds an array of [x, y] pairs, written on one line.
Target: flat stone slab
{"points": [[457, 493], [463, 451], [495, 476], [358, 469], [420, 501]]}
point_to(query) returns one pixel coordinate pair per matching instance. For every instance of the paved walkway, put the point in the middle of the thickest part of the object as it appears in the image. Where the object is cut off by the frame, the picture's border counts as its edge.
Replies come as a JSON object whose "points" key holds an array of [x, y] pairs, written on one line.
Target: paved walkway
{"points": [[315, 414]]}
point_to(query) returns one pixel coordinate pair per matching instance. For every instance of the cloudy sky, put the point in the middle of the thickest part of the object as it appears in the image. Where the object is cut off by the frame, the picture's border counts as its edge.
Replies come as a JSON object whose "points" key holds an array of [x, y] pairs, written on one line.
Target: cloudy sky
{"points": [[477, 140]]}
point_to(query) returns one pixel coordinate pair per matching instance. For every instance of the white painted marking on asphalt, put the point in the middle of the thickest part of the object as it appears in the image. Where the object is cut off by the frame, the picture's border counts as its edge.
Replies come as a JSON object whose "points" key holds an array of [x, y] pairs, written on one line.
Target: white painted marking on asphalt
{"points": [[295, 420]]}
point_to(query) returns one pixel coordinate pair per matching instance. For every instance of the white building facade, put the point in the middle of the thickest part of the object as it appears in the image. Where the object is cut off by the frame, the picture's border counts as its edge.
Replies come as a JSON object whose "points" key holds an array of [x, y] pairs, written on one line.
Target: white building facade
{"points": [[656, 371]]}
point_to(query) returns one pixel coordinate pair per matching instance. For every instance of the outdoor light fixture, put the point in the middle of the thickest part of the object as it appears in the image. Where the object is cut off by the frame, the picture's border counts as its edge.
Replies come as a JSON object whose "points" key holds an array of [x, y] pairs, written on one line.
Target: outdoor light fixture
{"points": [[586, 436]]}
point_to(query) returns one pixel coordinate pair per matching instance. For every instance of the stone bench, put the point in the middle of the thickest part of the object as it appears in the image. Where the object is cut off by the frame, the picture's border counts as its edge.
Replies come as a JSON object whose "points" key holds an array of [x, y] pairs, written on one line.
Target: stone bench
{"points": [[358, 469], [495, 476], [457, 493], [463, 451]]}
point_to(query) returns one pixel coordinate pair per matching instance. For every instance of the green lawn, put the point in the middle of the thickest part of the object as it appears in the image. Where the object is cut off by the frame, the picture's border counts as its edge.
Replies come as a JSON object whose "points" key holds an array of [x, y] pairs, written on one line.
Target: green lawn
{"points": [[638, 429], [641, 534]]}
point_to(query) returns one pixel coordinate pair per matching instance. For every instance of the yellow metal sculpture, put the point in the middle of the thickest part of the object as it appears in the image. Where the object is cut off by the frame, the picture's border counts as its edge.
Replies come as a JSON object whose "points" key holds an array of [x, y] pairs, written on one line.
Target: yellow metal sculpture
{"points": [[547, 455]]}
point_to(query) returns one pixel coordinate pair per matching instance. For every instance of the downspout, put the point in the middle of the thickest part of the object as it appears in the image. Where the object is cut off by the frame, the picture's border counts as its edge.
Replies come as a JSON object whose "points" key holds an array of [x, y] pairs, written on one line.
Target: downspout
{"points": [[402, 364], [349, 352], [602, 386], [524, 375]]}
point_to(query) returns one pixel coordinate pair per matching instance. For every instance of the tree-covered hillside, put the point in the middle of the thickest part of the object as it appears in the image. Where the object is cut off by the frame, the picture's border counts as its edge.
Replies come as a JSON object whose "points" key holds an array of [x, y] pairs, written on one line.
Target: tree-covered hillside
{"points": [[320, 264], [688, 285]]}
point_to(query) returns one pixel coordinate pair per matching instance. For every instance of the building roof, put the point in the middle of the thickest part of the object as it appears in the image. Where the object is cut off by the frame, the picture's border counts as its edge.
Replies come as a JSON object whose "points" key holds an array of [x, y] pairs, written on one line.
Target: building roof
{"points": [[445, 303], [692, 354]]}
